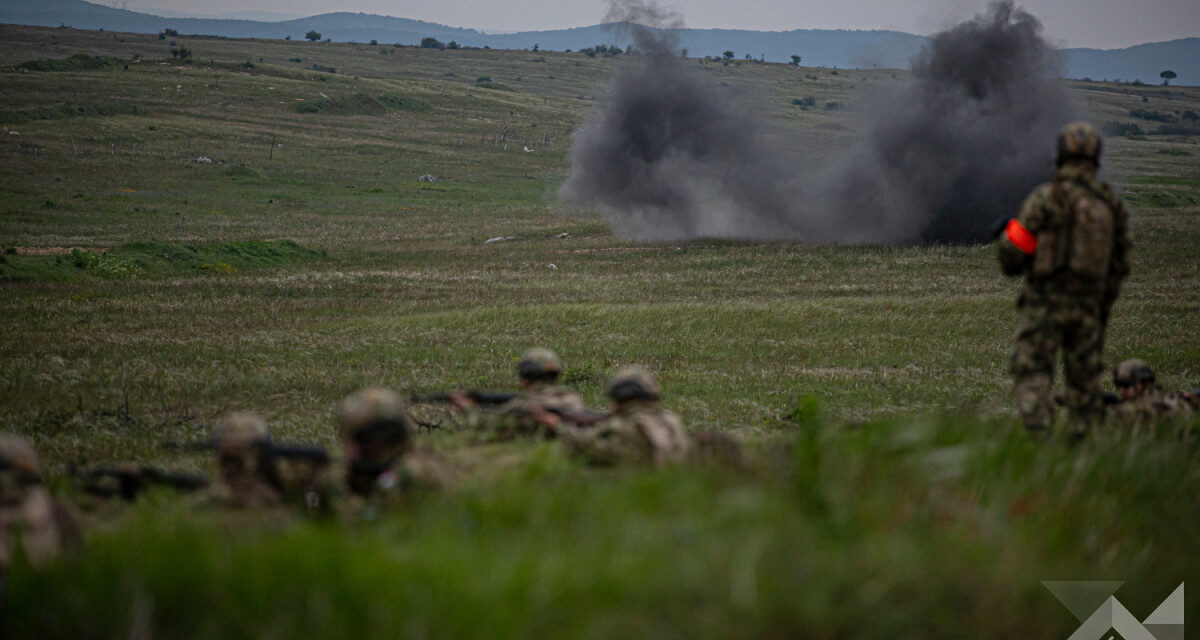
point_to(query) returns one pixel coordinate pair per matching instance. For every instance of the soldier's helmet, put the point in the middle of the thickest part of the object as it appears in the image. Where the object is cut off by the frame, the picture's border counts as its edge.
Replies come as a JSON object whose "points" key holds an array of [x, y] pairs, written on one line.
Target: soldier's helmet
{"points": [[239, 432], [18, 458], [539, 364], [633, 383], [1079, 141], [374, 417], [1131, 372]]}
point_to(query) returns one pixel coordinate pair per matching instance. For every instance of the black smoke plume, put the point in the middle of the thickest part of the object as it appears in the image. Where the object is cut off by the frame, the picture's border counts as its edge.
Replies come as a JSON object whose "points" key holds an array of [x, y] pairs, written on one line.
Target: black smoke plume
{"points": [[670, 155], [667, 154]]}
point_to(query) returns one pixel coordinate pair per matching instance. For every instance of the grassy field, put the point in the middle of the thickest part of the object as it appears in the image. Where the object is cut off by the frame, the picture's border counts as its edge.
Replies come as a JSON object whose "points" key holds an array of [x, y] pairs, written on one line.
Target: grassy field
{"points": [[242, 231]]}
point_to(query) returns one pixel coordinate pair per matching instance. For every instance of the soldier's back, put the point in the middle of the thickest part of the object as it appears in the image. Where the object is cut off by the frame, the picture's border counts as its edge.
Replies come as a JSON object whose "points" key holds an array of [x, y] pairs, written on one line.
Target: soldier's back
{"points": [[516, 417], [641, 434]]}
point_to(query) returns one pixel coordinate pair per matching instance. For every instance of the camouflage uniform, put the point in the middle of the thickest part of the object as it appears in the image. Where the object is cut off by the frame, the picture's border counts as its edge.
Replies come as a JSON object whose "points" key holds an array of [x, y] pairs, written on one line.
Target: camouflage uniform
{"points": [[539, 368], [244, 483], [639, 431], [382, 467], [30, 518], [1145, 406], [1070, 242]]}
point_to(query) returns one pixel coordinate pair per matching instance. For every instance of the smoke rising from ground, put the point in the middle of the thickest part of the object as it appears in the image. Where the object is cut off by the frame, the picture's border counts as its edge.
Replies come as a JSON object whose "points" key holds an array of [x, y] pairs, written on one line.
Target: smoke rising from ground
{"points": [[670, 155]]}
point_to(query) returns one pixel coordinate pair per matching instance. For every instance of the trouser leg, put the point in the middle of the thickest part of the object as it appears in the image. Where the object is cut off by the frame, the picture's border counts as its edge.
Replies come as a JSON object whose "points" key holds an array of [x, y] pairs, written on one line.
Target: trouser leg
{"points": [[1083, 367], [1031, 364]]}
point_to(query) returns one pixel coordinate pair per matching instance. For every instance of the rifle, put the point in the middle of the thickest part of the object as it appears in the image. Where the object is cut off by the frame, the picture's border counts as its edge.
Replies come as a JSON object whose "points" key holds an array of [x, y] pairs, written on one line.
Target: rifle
{"points": [[1108, 399], [129, 482], [269, 450], [486, 398], [999, 226], [581, 417]]}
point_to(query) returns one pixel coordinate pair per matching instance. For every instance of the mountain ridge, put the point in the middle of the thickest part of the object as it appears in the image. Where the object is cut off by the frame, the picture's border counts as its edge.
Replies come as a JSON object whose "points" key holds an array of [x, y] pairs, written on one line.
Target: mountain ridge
{"points": [[841, 48]]}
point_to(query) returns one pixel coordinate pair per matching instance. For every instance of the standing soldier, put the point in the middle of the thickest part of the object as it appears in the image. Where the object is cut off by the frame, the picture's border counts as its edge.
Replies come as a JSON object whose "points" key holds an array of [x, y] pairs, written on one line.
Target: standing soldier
{"points": [[30, 518], [1071, 243], [639, 431], [524, 415]]}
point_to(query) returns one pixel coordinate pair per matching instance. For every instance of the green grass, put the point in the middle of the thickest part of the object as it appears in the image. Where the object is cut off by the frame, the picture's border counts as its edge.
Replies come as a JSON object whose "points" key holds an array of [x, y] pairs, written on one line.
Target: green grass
{"points": [[153, 259], [77, 62], [361, 104], [935, 528], [1171, 180], [183, 301]]}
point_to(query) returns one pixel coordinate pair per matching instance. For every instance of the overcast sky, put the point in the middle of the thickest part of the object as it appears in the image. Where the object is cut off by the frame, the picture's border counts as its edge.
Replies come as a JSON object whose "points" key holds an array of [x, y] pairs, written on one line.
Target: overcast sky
{"points": [[1076, 23]]}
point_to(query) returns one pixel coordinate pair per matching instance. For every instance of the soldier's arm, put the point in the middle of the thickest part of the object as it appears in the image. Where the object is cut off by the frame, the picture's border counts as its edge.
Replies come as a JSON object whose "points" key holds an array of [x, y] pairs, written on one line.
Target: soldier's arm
{"points": [[1018, 242], [603, 445]]}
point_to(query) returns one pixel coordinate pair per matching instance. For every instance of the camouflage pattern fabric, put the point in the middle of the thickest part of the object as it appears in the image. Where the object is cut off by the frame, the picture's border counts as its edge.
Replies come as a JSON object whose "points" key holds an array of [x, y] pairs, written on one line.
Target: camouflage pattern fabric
{"points": [[38, 524], [247, 492], [243, 482], [30, 519], [365, 492], [1061, 308], [636, 433], [1045, 328], [1151, 408], [515, 418]]}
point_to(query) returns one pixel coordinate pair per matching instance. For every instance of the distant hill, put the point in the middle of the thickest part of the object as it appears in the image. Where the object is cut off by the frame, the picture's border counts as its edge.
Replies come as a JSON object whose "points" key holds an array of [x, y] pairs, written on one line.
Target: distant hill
{"points": [[1143, 62], [822, 48]]}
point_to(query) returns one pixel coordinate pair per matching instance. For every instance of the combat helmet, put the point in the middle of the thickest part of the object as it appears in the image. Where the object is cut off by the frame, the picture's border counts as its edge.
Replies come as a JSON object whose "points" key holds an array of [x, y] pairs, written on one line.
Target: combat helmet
{"points": [[633, 383], [239, 432], [374, 418], [1079, 141], [1131, 372], [539, 364], [18, 459]]}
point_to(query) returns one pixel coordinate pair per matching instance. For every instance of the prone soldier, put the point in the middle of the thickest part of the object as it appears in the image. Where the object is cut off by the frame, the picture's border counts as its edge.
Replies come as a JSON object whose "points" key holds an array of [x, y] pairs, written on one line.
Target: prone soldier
{"points": [[30, 519], [1142, 404], [525, 415], [1070, 241], [382, 465], [246, 479], [638, 431]]}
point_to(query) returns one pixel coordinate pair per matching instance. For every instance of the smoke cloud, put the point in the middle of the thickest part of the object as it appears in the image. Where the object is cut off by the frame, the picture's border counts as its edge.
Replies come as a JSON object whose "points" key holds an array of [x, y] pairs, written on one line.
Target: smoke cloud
{"points": [[668, 154]]}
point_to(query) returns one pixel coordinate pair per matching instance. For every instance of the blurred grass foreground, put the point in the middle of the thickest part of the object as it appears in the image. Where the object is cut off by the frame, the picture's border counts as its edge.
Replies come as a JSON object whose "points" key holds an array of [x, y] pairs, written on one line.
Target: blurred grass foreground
{"points": [[899, 528]]}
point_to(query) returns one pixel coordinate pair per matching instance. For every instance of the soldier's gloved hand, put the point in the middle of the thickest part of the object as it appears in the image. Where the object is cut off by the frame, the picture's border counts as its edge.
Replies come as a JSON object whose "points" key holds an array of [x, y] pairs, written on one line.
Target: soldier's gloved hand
{"points": [[461, 400], [549, 420]]}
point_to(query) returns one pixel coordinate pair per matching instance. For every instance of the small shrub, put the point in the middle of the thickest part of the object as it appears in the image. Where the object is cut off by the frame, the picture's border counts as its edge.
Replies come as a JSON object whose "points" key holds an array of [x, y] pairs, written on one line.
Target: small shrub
{"points": [[1116, 128], [833, 106], [218, 267], [323, 68], [77, 62], [295, 60], [1152, 116]]}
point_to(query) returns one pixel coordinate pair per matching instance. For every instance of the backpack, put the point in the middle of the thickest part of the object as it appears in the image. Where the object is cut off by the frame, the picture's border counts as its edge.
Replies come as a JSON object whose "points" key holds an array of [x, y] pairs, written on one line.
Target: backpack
{"points": [[1084, 229], [1091, 234]]}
